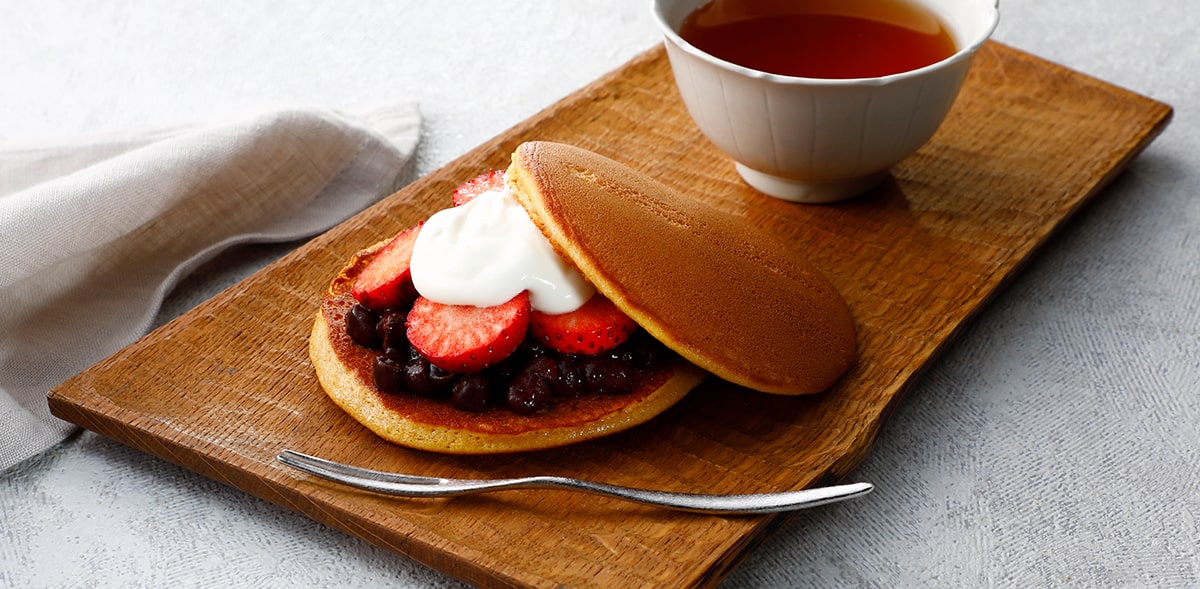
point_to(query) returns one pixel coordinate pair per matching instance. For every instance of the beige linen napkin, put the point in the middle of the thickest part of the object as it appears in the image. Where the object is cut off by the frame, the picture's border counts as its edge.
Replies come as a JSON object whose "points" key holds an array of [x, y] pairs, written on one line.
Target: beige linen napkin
{"points": [[93, 236]]}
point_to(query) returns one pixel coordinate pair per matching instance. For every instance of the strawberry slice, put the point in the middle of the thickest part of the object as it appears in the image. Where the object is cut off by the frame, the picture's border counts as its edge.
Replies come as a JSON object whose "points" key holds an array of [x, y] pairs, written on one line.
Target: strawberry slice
{"points": [[485, 182], [386, 281], [465, 338], [595, 327]]}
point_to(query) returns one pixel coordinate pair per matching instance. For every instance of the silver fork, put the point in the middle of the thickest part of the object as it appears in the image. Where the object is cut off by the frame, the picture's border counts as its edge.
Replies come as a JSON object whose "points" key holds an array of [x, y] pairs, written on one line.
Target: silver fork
{"points": [[406, 485]]}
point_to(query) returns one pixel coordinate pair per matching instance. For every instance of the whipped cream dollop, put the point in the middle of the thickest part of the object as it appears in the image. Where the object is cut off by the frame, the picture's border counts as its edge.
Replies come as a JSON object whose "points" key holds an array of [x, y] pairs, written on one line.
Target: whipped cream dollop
{"points": [[487, 251]]}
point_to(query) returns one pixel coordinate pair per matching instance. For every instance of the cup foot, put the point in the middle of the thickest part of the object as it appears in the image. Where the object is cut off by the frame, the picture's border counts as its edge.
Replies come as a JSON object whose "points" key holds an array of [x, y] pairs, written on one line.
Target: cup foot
{"points": [[808, 192]]}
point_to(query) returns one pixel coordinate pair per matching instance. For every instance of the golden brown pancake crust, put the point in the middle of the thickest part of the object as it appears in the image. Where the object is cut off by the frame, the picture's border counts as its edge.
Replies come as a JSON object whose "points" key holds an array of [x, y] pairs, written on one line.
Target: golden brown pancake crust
{"points": [[728, 296], [344, 370]]}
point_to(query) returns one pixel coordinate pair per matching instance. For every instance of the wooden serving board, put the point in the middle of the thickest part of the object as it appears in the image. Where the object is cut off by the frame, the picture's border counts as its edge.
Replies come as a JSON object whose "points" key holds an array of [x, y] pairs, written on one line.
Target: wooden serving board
{"points": [[225, 387]]}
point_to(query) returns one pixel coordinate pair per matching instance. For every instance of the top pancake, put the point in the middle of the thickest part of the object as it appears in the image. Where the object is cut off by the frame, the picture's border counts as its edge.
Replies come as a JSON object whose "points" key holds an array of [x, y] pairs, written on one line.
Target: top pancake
{"points": [[728, 296]]}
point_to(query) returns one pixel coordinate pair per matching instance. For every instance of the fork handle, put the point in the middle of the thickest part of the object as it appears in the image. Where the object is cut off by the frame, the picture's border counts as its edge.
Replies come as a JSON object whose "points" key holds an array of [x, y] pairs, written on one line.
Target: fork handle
{"points": [[706, 503]]}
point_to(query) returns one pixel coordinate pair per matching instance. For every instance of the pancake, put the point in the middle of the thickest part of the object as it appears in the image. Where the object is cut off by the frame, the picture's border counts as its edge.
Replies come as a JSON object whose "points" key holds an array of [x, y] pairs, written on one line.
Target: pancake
{"points": [[729, 297], [344, 371]]}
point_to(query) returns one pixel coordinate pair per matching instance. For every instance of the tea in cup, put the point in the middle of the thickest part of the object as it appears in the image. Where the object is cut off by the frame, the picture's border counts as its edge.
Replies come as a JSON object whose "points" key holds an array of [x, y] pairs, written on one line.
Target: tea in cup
{"points": [[815, 99]]}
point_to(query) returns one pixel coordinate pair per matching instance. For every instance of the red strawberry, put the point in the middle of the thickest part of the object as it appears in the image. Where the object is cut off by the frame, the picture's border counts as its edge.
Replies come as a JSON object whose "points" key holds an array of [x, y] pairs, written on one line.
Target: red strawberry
{"points": [[386, 282], [486, 182], [597, 326], [465, 338]]}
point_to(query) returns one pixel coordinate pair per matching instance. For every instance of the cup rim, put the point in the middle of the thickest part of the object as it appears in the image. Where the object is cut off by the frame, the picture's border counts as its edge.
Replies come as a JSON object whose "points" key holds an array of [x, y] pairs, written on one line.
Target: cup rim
{"points": [[963, 53]]}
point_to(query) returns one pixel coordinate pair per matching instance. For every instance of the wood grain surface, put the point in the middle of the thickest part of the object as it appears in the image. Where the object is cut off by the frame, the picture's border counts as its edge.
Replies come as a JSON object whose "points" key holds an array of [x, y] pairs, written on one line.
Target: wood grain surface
{"points": [[225, 387]]}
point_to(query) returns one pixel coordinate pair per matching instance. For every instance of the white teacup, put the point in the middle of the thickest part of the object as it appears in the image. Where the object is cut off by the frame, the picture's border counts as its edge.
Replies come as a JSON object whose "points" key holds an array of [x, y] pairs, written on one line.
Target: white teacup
{"points": [[821, 140]]}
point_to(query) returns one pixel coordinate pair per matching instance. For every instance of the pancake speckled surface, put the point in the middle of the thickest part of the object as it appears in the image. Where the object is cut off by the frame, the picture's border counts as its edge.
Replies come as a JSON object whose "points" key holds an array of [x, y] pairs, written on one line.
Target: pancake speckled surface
{"points": [[724, 294]]}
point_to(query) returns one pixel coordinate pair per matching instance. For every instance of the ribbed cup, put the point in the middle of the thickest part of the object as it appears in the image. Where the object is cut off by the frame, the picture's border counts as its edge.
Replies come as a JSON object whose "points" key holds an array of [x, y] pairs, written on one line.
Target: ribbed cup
{"points": [[819, 140]]}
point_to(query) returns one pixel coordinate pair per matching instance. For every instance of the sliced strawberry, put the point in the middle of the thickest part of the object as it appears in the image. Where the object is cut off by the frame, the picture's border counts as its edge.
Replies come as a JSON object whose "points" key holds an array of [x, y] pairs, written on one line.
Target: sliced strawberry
{"points": [[465, 338], [486, 182], [386, 281], [595, 327]]}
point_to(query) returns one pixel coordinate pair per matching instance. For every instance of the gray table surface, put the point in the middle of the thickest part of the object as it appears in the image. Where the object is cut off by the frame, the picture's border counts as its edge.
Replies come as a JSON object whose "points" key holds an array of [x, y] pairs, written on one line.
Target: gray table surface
{"points": [[1055, 445]]}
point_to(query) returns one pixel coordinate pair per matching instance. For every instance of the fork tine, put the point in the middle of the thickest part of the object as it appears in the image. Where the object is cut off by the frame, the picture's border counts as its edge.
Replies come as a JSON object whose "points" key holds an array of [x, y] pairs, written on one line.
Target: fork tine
{"points": [[312, 464], [383, 482]]}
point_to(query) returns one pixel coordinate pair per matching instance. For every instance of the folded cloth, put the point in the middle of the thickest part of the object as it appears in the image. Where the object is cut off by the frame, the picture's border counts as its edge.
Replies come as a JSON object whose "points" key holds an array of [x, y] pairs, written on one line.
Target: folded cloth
{"points": [[94, 236]]}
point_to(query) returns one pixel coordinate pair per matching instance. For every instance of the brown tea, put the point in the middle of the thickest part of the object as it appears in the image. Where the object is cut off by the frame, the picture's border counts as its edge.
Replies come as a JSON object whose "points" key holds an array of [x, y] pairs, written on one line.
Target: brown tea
{"points": [[834, 39]]}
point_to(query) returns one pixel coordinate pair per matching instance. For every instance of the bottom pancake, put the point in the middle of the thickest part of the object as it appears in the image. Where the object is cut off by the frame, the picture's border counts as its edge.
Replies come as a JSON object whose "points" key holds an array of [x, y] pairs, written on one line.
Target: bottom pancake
{"points": [[344, 371]]}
